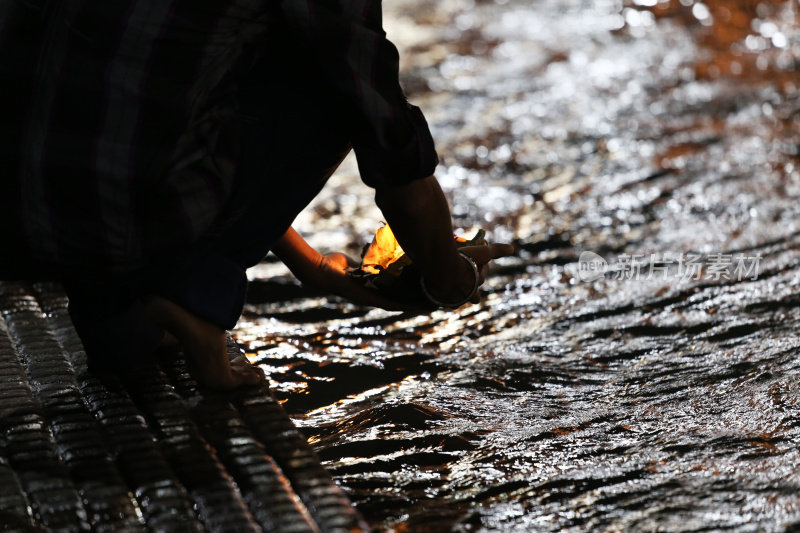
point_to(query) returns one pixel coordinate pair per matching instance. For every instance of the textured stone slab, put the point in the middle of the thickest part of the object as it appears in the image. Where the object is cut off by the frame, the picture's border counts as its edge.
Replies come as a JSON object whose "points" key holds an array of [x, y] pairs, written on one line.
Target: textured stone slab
{"points": [[151, 450]]}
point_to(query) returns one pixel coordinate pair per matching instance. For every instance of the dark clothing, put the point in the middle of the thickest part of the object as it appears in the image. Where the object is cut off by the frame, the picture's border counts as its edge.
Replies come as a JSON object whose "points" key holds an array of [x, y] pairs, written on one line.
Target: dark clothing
{"points": [[164, 145]]}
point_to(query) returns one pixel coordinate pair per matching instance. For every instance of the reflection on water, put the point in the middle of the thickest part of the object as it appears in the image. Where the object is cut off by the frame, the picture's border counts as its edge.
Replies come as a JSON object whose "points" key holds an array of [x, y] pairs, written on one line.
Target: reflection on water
{"points": [[745, 39], [636, 127]]}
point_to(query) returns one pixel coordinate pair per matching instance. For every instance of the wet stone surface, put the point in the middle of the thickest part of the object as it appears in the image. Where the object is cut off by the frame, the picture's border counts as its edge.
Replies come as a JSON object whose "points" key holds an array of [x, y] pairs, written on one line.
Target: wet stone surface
{"points": [[659, 396], [148, 450]]}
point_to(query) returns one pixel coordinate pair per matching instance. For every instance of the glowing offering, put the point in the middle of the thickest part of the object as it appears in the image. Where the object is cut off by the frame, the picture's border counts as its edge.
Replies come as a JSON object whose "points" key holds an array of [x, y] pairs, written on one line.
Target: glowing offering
{"points": [[387, 269]]}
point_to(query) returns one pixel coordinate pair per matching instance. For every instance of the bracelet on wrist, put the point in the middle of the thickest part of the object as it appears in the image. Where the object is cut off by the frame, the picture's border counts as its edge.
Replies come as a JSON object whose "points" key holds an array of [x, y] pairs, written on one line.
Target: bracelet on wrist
{"points": [[438, 303]]}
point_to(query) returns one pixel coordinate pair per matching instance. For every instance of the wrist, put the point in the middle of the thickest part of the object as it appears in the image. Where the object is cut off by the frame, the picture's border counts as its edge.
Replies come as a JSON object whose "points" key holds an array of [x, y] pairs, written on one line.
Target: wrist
{"points": [[451, 294]]}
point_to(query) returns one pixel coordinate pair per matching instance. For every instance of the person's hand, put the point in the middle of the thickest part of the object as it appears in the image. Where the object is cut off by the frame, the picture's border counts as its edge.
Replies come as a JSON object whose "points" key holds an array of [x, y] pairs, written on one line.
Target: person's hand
{"points": [[456, 287], [448, 284], [329, 273], [452, 287], [339, 262], [420, 219]]}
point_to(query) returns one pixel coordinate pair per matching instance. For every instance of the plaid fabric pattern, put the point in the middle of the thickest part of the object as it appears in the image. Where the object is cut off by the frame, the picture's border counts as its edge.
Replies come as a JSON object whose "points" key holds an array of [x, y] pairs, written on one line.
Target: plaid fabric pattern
{"points": [[119, 124]]}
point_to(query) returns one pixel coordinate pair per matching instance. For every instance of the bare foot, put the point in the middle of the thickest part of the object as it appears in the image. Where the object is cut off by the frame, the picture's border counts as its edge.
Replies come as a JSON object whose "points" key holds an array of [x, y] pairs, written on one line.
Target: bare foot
{"points": [[204, 345]]}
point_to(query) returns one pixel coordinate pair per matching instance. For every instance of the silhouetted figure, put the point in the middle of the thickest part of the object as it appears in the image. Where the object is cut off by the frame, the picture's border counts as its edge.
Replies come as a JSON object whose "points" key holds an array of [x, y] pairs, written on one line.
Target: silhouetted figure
{"points": [[152, 150]]}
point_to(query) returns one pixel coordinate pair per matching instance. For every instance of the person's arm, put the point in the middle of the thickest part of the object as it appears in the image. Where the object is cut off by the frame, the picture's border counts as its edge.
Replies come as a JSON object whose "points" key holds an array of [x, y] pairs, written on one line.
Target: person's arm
{"points": [[391, 139], [419, 216], [328, 272]]}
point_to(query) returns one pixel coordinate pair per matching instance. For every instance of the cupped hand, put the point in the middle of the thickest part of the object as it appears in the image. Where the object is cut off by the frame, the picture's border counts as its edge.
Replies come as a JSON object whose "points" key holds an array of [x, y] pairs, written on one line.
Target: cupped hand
{"points": [[335, 268], [455, 286], [340, 262], [333, 271]]}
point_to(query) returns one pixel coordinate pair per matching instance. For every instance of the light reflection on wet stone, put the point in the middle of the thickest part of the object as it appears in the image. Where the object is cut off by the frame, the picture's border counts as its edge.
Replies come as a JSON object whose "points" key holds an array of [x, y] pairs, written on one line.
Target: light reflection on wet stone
{"points": [[616, 127]]}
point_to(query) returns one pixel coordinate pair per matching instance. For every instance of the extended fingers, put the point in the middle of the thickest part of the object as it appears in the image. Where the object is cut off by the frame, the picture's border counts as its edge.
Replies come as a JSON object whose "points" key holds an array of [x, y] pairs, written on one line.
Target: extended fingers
{"points": [[483, 254], [484, 271]]}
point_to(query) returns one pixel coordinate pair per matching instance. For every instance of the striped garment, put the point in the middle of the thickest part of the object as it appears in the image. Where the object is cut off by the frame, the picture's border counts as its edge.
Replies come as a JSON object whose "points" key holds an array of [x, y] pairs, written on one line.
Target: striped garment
{"points": [[120, 118]]}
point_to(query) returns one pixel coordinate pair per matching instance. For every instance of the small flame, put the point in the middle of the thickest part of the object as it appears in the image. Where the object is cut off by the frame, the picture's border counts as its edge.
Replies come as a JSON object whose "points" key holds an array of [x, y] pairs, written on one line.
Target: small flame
{"points": [[383, 251]]}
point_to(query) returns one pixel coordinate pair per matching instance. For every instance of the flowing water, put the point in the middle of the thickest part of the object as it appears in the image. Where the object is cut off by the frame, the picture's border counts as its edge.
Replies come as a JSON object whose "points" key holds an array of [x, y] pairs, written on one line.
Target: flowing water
{"points": [[661, 136]]}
